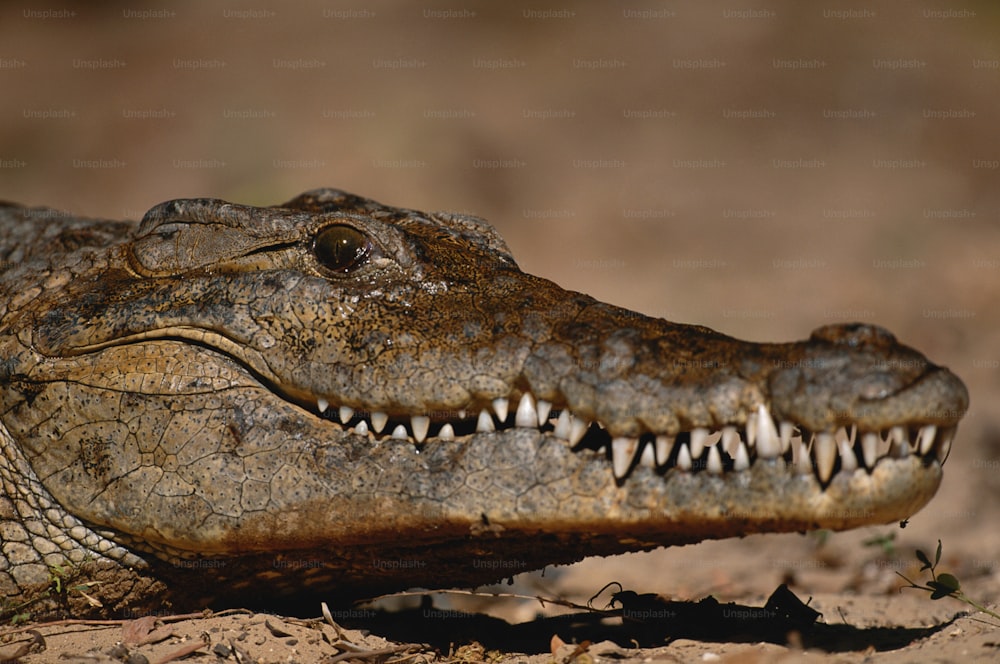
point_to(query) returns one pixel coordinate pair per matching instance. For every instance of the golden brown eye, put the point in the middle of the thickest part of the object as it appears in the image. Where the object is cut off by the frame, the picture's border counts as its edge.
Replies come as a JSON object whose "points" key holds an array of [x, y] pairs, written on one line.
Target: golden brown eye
{"points": [[341, 248]]}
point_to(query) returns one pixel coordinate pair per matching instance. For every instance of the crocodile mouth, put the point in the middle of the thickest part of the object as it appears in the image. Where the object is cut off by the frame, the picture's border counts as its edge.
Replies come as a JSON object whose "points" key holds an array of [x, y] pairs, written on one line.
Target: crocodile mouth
{"points": [[719, 451]]}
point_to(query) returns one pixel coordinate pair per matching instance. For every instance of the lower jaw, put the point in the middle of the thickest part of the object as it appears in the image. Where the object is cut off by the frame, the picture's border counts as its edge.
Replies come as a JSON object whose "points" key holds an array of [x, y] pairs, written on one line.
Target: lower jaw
{"points": [[655, 510]]}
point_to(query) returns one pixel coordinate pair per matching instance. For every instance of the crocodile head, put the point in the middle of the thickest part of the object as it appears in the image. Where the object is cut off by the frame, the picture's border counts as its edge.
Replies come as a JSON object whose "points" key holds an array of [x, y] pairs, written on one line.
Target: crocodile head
{"points": [[337, 393]]}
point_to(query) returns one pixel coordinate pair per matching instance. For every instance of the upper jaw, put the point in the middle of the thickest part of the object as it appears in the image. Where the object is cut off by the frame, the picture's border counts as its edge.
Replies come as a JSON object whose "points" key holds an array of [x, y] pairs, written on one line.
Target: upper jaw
{"points": [[818, 436]]}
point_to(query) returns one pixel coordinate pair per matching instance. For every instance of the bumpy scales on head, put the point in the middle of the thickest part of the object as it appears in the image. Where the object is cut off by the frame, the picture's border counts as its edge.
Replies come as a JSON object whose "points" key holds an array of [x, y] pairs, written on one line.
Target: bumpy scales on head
{"points": [[333, 395]]}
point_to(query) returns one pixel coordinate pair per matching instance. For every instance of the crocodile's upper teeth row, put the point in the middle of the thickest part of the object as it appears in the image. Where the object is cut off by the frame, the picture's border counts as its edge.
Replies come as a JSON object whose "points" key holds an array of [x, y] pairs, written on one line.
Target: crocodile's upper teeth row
{"points": [[762, 438]]}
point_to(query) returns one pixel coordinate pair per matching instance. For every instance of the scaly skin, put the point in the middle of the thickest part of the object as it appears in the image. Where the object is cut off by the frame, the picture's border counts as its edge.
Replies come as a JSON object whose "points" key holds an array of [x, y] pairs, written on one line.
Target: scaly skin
{"points": [[171, 398]]}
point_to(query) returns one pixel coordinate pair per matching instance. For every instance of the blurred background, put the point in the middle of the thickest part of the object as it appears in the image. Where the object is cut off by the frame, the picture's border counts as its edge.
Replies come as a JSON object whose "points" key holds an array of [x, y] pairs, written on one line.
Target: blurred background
{"points": [[761, 168]]}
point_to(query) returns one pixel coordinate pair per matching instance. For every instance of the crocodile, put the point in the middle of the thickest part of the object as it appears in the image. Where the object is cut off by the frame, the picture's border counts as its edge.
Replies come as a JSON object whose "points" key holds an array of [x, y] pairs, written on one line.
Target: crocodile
{"points": [[333, 397]]}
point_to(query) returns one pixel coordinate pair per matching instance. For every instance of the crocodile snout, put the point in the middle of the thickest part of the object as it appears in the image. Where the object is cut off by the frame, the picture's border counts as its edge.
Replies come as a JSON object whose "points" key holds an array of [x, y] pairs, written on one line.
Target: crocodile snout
{"points": [[855, 335]]}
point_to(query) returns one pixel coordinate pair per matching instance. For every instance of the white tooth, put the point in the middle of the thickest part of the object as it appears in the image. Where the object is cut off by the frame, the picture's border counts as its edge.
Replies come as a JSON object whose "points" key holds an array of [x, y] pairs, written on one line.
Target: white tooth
{"points": [[379, 420], [943, 446], [869, 448], [362, 428], [420, 424], [714, 465], [500, 406], [768, 444], [399, 433], [664, 446], [544, 407], [684, 458], [825, 452], [647, 457], [526, 415], [798, 447], [578, 428], [730, 440], [485, 422], [562, 428], [926, 438], [345, 413], [751, 429], [322, 404], [741, 460], [446, 433], [899, 447], [461, 413], [622, 452], [848, 462], [785, 431], [800, 457], [699, 437]]}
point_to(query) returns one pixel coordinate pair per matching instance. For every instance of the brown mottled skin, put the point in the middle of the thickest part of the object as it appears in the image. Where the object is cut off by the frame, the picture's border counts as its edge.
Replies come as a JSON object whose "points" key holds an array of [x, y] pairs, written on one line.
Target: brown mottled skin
{"points": [[162, 389]]}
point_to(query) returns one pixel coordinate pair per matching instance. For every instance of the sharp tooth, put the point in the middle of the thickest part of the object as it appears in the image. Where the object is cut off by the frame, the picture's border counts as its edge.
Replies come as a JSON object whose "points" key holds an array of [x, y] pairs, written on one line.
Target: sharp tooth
{"points": [[322, 404], [825, 451], [899, 447], [699, 436], [647, 457], [399, 433], [420, 424], [446, 433], [751, 429], [562, 428], [379, 420], [768, 444], [485, 422], [345, 413], [622, 452], [741, 460], [526, 415], [544, 407], [869, 448], [714, 465], [848, 462], [577, 429], [362, 428], [664, 446], [800, 457], [943, 446], [500, 406], [785, 431], [684, 458], [730, 440], [798, 447], [925, 439]]}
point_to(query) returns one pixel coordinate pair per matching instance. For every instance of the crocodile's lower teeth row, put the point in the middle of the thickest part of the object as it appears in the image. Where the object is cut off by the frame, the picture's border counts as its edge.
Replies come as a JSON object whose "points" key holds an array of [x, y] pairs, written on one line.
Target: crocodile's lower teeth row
{"points": [[700, 449]]}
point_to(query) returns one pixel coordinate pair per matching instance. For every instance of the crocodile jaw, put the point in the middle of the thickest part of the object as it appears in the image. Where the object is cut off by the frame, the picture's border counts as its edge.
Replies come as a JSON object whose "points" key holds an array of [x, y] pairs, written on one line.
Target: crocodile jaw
{"points": [[233, 442]]}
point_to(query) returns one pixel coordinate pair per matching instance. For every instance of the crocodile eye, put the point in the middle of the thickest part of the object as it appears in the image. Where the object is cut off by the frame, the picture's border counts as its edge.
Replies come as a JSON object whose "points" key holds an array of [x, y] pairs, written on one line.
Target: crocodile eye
{"points": [[341, 248]]}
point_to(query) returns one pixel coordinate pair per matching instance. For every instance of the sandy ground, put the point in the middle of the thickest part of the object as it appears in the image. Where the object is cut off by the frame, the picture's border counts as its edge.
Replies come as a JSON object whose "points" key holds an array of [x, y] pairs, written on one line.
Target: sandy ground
{"points": [[762, 170]]}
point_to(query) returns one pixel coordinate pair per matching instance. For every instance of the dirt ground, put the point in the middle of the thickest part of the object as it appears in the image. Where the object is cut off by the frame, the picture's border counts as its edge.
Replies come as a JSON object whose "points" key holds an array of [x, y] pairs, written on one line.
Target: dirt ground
{"points": [[761, 170]]}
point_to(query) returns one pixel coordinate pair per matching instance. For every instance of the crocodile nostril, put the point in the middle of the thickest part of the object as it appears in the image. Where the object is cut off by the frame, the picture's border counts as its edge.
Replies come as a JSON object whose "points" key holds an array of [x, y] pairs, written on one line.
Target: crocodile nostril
{"points": [[854, 335]]}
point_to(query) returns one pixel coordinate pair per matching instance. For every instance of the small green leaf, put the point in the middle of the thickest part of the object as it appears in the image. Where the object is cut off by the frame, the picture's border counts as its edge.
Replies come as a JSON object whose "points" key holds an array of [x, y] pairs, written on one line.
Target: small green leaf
{"points": [[948, 581], [940, 590], [937, 556], [922, 557], [937, 590]]}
